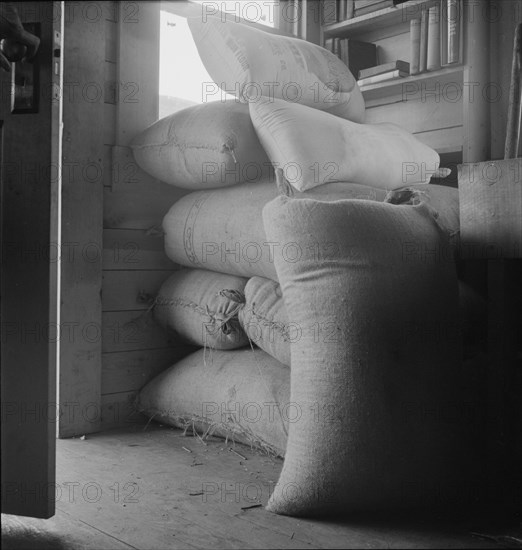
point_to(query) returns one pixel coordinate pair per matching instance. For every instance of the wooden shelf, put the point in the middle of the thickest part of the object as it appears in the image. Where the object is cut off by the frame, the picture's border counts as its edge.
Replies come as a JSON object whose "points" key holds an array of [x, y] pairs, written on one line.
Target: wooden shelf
{"points": [[435, 106], [379, 19], [397, 86]]}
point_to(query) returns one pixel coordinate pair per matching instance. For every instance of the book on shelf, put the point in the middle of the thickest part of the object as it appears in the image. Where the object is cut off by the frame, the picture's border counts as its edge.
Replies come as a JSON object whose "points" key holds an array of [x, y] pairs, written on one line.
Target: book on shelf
{"points": [[384, 77], [453, 20], [345, 9], [423, 49], [297, 18], [443, 34], [436, 37], [328, 44], [361, 4], [350, 11], [402, 66], [355, 54], [337, 47], [415, 32], [363, 8], [334, 46], [330, 12], [335, 11], [433, 52], [342, 9]]}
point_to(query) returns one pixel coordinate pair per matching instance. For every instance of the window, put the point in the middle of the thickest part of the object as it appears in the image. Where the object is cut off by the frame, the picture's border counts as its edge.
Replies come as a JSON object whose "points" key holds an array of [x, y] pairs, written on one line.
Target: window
{"points": [[260, 11], [181, 69]]}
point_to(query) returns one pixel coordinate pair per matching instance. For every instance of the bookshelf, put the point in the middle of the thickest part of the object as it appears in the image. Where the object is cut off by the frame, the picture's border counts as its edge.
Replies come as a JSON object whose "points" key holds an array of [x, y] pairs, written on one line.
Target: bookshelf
{"points": [[437, 106], [469, 131], [379, 19], [444, 78]]}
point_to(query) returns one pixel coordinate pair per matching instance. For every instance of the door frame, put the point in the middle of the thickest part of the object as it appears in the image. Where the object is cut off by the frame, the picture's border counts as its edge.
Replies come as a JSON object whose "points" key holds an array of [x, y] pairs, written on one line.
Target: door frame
{"points": [[30, 282]]}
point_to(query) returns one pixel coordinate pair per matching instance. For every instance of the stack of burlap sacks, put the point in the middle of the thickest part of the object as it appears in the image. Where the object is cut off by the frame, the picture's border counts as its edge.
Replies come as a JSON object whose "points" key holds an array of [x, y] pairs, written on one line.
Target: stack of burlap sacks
{"points": [[323, 294]]}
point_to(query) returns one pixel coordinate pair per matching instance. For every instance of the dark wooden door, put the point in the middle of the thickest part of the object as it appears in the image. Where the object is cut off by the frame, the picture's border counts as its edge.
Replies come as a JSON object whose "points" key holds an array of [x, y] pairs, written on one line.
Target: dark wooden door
{"points": [[30, 190]]}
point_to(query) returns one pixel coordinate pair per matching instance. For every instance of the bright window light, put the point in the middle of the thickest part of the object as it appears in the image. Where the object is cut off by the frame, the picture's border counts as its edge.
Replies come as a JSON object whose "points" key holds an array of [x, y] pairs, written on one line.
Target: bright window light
{"points": [[182, 72], [257, 11]]}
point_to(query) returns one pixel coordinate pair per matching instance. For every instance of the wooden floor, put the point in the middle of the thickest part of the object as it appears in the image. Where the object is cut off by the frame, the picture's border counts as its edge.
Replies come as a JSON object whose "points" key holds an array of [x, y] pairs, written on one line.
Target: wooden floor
{"points": [[155, 489]]}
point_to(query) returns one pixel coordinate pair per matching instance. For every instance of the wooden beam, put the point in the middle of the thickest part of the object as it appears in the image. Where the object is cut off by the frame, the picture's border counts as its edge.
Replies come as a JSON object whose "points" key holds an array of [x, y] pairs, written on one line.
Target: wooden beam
{"points": [[515, 92], [476, 106], [82, 219], [125, 371], [312, 21], [490, 209], [138, 68], [29, 284]]}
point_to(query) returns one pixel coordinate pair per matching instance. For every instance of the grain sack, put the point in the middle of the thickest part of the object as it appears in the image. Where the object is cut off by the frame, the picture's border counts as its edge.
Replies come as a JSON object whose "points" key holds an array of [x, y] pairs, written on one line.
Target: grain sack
{"points": [[223, 230], [314, 147], [441, 200], [375, 375], [203, 147], [202, 307], [264, 320], [250, 63], [242, 395]]}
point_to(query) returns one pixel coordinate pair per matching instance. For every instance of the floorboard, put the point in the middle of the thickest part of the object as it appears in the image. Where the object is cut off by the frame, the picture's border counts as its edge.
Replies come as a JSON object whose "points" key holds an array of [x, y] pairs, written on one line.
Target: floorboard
{"points": [[151, 488]]}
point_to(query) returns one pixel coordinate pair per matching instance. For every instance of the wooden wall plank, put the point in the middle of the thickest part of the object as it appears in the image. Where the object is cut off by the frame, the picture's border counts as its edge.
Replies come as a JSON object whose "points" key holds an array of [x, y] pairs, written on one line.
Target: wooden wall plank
{"points": [[138, 67], [418, 116], [134, 209], [111, 88], [135, 199], [476, 113], [82, 218], [135, 347], [131, 330], [443, 140], [394, 47], [131, 370], [109, 122], [378, 34], [111, 41], [490, 209], [131, 290], [107, 166], [127, 249], [117, 409], [508, 15]]}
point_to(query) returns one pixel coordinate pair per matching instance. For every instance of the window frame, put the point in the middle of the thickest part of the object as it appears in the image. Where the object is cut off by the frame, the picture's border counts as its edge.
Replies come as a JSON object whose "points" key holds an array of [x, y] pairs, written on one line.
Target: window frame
{"points": [[189, 8]]}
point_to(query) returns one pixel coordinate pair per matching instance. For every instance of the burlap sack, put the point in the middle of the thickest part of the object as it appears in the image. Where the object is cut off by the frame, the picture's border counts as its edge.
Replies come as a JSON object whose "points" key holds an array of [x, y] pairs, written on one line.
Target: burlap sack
{"points": [[203, 147], [242, 395], [250, 64], [376, 374], [202, 307], [223, 230], [264, 320], [315, 147]]}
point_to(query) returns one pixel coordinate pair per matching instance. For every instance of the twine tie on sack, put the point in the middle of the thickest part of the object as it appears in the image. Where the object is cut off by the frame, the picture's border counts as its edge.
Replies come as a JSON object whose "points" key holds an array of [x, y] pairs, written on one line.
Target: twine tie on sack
{"points": [[241, 305], [224, 321], [414, 197], [230, 149], [283, 186], [238, 298]]}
